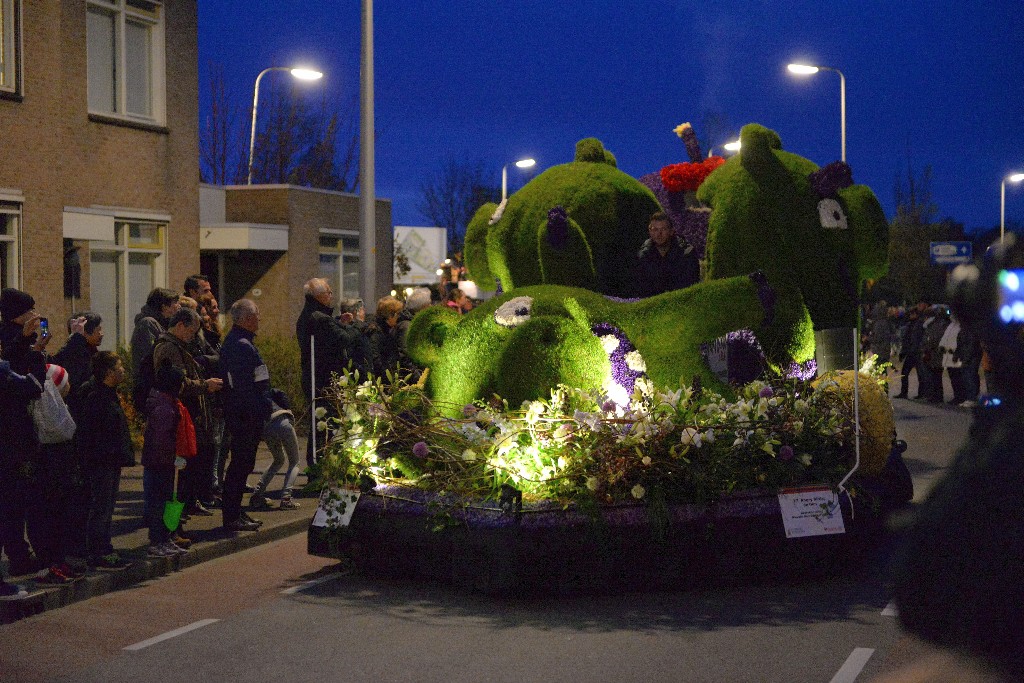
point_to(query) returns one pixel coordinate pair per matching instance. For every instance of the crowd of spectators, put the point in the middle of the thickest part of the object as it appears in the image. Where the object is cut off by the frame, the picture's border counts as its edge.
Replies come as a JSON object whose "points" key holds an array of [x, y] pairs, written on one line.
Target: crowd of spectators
{"points": [[206, 401]]}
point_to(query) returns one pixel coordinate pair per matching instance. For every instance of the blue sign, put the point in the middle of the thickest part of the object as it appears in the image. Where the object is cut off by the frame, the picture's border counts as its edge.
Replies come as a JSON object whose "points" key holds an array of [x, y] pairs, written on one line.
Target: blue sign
{"points": [[951, 253]]}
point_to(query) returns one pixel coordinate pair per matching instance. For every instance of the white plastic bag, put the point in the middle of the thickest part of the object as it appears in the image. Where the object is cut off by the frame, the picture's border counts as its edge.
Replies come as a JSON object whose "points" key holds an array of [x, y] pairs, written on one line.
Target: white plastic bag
{"points": [[52, 418]]}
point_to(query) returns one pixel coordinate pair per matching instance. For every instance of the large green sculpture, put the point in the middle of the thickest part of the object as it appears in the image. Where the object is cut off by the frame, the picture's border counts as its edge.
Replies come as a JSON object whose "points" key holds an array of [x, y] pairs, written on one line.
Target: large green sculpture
{"points": [[577, 224]]}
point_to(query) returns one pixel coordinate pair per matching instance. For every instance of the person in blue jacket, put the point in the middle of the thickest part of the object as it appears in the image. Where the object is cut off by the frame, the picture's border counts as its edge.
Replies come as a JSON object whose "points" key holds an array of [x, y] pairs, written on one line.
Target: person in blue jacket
{"points": [[247, 407]]}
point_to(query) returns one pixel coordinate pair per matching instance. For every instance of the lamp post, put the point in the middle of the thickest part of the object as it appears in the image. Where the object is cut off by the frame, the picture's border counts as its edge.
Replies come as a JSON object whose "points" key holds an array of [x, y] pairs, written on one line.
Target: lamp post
{"points": [[1015, 178], [301, 74], [522, 163], [807, 70]]}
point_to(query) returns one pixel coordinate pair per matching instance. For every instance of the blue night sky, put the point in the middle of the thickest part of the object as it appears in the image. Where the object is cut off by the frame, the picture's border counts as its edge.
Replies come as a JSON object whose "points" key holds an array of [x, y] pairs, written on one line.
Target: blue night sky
{"points": [[940, 80]]}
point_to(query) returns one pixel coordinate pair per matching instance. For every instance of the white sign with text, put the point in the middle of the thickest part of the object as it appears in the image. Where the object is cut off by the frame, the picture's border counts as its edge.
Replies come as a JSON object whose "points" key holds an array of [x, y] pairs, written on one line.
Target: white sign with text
{"points": [[811, 511]]}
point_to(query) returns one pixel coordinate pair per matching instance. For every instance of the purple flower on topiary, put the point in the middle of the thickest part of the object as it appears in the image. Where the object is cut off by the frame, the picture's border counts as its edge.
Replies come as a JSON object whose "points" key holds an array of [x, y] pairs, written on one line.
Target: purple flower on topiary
{"points": [[622, 374], [786, 452], [766, 392], [469, 410], [804, 371], [420, 449], [558, 227], [828, 180]]}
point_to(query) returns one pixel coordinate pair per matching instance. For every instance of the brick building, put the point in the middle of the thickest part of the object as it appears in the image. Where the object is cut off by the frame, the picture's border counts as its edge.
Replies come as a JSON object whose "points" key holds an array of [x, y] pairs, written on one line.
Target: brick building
{"points": [[264, 241], [99, 159]]}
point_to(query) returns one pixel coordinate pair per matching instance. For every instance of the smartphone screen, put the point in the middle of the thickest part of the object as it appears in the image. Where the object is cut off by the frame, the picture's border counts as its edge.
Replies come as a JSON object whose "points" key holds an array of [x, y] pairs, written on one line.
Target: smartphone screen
{"points": [[1011, 296], [44, 327]]}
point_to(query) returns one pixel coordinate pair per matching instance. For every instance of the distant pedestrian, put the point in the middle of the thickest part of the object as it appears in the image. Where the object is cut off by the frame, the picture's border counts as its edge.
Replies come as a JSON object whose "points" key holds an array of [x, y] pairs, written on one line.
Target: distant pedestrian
{"points": [[910, 347]]}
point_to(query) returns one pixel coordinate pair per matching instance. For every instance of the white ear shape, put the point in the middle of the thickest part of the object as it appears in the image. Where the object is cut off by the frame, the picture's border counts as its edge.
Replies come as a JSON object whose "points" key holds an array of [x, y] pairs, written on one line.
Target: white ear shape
{"points": [[514, 312]]}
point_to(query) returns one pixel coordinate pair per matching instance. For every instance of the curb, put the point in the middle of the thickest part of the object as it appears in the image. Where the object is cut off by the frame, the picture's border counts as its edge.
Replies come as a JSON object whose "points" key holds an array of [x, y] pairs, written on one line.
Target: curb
{"points": [[143, 568]]}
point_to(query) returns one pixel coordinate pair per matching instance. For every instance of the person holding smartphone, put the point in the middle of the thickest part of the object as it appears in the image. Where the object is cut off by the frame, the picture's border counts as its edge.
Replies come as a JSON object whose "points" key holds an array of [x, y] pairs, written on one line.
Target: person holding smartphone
{"points": [[21, 328]]}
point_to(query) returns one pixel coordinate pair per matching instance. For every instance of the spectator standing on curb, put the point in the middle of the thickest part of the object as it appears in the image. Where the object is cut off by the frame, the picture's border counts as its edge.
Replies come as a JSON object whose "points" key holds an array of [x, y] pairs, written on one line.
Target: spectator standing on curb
{"points": [[86, 330], [150, 323], [279, 434], [318, 299], [197, 286], [173, 348], [247, 407], [209, 312], [104, 446], [951, 361], [353, 317], [16, 435], [929, 371], [910, 348], [160, 456]]}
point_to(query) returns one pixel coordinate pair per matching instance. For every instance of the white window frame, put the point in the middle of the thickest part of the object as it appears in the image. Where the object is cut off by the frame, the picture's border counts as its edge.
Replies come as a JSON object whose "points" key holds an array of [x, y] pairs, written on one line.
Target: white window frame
{"points": [[123, 14], [12, 243], [123, 249], [10, 46], [339, 252]]}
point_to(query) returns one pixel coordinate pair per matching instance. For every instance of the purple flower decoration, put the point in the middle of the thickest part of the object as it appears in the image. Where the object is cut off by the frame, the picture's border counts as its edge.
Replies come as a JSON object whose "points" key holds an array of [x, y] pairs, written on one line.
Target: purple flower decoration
{"points": [[420, 449], [622, 374], [558, 227], [766, 392], [608, 406], [469, 410], [828, 180], [376, 410], [786, 453], [804, 371]]}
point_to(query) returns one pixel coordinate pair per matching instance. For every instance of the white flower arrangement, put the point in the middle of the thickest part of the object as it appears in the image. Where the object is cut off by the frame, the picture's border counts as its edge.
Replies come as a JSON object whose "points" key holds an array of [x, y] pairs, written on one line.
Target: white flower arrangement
{"points": [[609, 342], [635, 362]]}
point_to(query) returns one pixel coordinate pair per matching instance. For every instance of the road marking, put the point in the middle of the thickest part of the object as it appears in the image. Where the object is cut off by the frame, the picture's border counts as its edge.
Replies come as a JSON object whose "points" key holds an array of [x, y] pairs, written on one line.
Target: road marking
{"points": [[171, 634], [853, 665], [890, 610], [310, 584]]}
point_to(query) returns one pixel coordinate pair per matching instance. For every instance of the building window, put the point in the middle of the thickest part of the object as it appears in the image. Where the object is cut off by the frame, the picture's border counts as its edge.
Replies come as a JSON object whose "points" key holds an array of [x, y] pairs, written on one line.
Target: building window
{"points": [[122, 273], [10, 45], [339, 264], [126, 59], [10, 245]]}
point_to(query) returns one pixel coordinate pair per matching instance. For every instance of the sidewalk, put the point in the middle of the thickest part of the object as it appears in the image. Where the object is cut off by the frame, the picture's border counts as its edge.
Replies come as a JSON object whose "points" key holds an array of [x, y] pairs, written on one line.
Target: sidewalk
{"points": [[130, 539]]}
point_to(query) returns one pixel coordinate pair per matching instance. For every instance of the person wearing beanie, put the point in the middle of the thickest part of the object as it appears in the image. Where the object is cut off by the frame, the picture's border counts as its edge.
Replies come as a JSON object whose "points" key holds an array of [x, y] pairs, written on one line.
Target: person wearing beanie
{"points": [[19, 328]]}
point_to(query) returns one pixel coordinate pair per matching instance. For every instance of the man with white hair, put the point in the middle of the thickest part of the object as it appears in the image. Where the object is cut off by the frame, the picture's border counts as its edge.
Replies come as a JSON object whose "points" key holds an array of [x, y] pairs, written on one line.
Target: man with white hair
{"points": [[247, 407]]}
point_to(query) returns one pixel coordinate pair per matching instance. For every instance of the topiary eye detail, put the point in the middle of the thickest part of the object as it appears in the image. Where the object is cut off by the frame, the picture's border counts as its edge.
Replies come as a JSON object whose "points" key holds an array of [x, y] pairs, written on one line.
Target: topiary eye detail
{"points": [[514, 312], [831, 214]]}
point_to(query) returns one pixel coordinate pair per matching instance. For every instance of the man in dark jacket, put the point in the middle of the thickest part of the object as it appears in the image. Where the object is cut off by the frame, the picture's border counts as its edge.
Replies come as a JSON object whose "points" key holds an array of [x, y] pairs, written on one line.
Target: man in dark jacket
{"points": [[910, 347], [247, 407], [665, 261], [104, 446], [173, 348], [16, 390], [76, 355]]}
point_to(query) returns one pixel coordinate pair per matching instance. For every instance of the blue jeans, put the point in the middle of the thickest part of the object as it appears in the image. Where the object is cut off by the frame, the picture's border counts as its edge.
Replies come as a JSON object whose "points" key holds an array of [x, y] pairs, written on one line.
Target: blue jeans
{"points": [[157, 488], [103, 482]]}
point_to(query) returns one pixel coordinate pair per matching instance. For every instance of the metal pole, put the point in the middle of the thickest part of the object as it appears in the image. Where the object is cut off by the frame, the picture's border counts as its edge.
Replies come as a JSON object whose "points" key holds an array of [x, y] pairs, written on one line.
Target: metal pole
{"points": [[367, 198], [255, 101], [842, 107], [1002, 211], [504, 183]]}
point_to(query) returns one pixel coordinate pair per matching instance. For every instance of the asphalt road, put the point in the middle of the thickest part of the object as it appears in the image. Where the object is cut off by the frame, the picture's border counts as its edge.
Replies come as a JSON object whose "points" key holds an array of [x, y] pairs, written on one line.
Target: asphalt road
{"points": [[273, 613]]}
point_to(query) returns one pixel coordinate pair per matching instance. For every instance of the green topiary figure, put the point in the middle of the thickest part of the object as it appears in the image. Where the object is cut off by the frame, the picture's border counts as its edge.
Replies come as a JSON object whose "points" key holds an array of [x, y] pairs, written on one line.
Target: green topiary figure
{"points": [[522, 344], [812, 232], [577, 224]]}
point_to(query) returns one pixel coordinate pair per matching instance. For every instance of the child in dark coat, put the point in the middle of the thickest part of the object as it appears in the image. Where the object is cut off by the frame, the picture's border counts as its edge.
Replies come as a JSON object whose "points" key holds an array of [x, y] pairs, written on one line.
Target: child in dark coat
{"points": [[160, 456]]}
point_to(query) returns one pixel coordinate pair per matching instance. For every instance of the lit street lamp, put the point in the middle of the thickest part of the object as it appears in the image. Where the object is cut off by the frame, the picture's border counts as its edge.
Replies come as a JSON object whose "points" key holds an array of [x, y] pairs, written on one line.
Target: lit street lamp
{"points": [[522, 163], [1015, 178], [807, 70], [301, 74]]}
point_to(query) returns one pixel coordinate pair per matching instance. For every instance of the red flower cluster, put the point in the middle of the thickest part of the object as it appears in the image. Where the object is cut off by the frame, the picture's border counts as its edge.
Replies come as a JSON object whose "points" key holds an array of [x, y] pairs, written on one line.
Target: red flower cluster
{"points": [[687, 177]]}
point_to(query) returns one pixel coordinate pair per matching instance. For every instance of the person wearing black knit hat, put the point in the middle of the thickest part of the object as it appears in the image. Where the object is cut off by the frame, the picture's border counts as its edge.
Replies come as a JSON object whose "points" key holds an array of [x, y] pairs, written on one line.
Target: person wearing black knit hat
{"points": [[19, 329]]}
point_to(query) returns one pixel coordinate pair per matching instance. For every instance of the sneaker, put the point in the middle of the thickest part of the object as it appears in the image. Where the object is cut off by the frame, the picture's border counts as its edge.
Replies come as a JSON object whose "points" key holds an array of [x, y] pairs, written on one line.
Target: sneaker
{"points": [[241, 525], [259, 502], [288, 504], [9, 591], [75, 568], [198, 510], [52, 577], [160, 550], [245, 516], [214, 502], [176, 549], [110, 561], [181, 541]]}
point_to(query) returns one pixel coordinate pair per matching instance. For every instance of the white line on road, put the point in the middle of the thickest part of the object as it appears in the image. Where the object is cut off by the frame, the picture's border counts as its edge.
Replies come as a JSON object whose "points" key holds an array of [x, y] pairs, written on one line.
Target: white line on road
{"points": [[171, 634], [310, 584], [853, 665], [890, 610]]}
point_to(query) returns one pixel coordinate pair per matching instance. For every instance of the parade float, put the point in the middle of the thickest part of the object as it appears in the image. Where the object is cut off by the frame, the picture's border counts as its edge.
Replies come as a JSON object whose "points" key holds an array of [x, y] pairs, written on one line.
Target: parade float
{"points": [[566, 438]]}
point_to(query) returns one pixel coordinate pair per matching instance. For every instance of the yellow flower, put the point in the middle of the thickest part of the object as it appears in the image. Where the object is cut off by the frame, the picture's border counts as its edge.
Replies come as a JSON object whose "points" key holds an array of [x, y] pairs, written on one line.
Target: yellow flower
{"points": [[681, 128]]}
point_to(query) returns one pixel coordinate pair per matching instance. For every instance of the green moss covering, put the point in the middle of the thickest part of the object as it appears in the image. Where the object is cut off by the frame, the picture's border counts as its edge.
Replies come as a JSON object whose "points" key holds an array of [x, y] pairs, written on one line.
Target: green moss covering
{"points": [[571, 264], [472, 356], [765, 217], [610, 208], [474, 249]]}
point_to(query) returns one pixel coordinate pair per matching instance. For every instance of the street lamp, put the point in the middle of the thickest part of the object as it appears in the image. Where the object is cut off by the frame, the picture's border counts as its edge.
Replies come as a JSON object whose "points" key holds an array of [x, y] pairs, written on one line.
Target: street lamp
{"points": [[807, 70], [301, 74], [522, 163], [733, 146], [1015, 178]]}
